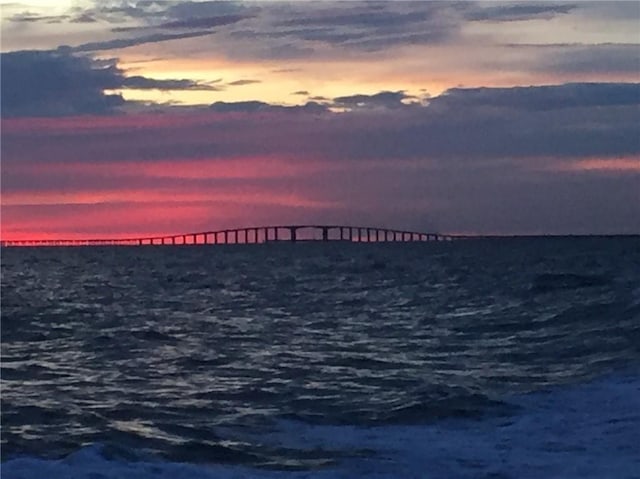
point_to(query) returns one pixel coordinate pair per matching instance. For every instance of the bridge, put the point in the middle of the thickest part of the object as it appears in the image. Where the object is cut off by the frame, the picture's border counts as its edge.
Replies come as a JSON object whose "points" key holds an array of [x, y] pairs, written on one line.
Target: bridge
{"points": [[254, 235]]}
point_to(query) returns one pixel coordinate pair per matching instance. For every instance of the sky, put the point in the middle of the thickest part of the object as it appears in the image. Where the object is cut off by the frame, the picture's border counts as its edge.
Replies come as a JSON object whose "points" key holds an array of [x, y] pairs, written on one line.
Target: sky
{"points": [[129, 118]]}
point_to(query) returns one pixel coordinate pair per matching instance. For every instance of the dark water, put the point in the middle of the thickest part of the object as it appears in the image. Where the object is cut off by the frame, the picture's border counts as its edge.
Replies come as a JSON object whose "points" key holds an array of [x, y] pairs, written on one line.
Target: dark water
{"points": [[237, 356]]}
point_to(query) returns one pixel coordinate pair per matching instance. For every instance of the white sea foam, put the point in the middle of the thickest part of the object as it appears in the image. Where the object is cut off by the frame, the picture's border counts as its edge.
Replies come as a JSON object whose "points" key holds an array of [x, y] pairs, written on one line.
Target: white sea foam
{"points": [[585, 431]]}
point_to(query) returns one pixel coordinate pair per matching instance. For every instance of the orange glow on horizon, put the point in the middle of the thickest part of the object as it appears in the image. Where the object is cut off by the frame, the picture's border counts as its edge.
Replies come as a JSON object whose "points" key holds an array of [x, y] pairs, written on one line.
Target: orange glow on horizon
{"points": [[613, 164], [622, 165]]}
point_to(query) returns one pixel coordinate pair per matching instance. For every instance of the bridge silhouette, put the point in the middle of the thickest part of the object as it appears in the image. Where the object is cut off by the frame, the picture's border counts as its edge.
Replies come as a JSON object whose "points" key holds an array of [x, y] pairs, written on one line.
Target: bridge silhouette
{"points": [[254, 235]]}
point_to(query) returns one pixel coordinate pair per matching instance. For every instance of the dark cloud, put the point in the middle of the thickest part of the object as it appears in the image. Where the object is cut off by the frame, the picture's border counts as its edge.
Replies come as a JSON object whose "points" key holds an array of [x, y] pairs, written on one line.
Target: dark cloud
{"points": [[121, 12], [185, 24], [466, 125], [203, 22], [144, 83], [461, 126], [364, 15], [382, 42], [568, 121], [240, 106], [301, 92], [145, 16], [369, 26], [275, 30], [84, 18], [551, 97], [43, 83], [243, 82], [286, 70], [518, 12], [262, 107], [557, 121], [28, 17], [384, 99], [141, 40], [57, 83]]}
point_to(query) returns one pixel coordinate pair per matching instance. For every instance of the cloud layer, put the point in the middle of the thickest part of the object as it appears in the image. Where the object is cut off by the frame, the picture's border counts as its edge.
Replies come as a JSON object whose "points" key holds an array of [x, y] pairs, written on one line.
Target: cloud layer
{"points": [[503, 160], [146, 116]]}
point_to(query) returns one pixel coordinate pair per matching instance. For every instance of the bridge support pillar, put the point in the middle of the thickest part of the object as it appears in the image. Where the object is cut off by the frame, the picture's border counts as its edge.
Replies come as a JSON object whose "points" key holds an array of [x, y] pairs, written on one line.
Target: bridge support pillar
{"points": [[325, 233], [292, 233]]}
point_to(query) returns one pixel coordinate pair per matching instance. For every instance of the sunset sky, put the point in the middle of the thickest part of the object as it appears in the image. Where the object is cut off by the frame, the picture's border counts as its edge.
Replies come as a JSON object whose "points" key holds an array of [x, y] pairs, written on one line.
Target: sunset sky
{"points": [[125, 118]]}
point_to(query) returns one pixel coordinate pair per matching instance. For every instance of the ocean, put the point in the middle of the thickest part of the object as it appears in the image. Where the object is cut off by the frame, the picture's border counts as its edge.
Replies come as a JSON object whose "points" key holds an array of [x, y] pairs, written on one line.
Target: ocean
{"points": [[494, 358]]}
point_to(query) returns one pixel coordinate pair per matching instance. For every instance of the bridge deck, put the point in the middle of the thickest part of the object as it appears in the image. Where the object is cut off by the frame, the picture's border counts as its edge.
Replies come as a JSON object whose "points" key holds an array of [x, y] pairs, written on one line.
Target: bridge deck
{"points": [[253, 235]]}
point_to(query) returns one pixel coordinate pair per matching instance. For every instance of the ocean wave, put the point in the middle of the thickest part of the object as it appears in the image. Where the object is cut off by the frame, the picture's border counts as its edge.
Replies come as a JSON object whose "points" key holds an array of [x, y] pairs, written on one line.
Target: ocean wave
{"points": [[586, 431]]}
